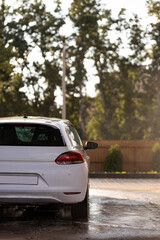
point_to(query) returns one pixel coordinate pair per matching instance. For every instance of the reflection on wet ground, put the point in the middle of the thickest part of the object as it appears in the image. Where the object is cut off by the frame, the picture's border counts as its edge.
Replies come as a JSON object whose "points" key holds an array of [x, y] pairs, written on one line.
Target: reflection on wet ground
{"points": [[114, 214], [124, 217]]}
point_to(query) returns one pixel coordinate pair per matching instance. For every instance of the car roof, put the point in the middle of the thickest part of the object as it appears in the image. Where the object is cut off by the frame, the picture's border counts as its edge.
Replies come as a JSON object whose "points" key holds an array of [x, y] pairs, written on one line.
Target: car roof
{"points": [[34, 119]]}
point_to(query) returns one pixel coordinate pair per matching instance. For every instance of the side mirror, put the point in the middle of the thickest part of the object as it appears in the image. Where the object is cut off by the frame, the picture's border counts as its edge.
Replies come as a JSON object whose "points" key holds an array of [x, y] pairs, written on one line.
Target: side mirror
{"points": [[90, 145]]}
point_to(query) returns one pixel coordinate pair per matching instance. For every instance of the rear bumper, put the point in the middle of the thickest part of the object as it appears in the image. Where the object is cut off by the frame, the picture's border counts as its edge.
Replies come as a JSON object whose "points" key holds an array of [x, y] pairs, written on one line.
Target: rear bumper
{"points": [[43, 197], [45, 187], [42, 182]]}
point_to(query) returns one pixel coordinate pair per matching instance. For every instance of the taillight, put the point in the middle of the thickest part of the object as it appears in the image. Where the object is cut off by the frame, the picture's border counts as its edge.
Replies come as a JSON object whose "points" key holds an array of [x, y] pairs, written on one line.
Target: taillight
{"points": [[70, 158]]}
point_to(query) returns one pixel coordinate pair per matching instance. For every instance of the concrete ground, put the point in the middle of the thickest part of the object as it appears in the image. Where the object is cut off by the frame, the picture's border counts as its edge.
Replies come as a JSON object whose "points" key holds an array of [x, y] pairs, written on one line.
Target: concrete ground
{"points": [[127, 208], [119, 209], [146, 190]]}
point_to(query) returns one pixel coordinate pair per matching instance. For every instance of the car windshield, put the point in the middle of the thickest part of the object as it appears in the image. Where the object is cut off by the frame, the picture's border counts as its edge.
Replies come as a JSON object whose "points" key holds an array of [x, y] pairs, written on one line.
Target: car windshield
{"points": [[29, 135]]}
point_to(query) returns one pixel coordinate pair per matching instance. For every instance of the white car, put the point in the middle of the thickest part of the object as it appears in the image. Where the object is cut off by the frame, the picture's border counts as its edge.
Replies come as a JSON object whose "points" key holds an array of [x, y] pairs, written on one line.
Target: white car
{"points": [[43, 161]]}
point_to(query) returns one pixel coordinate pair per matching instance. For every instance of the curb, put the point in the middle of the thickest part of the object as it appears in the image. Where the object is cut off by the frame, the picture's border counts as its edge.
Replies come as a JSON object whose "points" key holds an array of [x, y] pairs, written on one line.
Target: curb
{"points": [[124, 175]]}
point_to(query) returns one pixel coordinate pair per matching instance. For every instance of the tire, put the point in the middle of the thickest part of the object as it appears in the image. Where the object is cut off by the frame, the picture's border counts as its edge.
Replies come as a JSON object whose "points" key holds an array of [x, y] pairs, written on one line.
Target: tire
{"points": [[80, 211]]}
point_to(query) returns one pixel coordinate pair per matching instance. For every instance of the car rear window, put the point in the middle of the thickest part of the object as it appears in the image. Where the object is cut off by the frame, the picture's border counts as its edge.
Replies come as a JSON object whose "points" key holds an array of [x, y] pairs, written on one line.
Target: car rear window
{"points": [[30, 135]]}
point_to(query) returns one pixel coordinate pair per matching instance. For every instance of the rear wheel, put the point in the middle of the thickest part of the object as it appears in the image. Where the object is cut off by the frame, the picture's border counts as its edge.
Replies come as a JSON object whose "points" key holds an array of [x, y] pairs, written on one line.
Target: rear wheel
{"points": [[80, 211]]}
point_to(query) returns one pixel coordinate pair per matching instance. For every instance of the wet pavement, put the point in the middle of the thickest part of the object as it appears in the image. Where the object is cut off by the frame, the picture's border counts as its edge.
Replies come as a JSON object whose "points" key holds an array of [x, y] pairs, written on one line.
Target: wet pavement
{"points": [[119, 209]]}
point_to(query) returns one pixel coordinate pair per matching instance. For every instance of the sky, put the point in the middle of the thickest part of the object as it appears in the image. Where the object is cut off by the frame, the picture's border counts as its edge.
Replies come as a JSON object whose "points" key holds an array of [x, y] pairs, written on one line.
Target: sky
{"points": [[132, 6]]}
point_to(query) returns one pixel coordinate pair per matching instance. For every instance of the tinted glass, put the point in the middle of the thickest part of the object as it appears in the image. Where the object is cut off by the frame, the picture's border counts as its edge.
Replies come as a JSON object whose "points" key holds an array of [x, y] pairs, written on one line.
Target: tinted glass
{"points": [[29, 135]]}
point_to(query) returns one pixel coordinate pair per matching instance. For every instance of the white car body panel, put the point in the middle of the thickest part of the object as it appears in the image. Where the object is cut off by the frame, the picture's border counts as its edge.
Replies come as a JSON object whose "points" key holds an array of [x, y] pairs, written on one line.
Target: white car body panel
{"points": [[29, 174]]}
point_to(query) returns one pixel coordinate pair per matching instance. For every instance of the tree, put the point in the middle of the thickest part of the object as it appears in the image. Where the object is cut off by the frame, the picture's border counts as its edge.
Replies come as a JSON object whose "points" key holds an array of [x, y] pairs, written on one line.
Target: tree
{"points": [[122, 80], [153, 8], [105, 55], [12, 100], [96, 123], [34, 29], [5, 56], [83, 14]]}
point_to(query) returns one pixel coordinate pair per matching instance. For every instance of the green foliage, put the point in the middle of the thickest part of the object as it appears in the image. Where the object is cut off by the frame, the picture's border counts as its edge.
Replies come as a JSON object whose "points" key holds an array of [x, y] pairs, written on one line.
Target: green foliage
{"points": [[114, 160], [154, 8], [84, 16], [127, 104], [156, 157], [96, 127], [154, 68], [23, 29], [12, 100]]}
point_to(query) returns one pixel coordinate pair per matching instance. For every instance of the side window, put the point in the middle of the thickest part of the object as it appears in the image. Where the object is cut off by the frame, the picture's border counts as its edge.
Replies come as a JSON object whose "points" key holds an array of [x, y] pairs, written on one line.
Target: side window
{"points": [[73, 135]]}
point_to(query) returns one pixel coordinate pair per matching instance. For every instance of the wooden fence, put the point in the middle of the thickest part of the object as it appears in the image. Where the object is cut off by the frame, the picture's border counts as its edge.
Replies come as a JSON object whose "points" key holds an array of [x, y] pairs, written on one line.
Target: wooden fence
{"points": [[137, 155]]}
